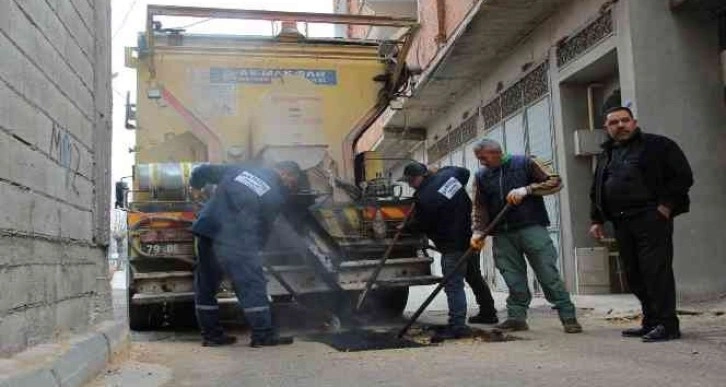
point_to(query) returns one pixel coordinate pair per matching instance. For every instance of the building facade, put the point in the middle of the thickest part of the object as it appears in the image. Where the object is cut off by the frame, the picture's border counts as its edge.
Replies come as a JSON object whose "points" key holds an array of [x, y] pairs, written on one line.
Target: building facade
{"points": [[55, 141], [536, 76]]}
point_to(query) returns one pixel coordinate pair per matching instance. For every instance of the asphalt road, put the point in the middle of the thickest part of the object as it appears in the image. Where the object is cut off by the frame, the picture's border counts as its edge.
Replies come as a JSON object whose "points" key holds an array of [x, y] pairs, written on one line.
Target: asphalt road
{"points": [[543, 356]]}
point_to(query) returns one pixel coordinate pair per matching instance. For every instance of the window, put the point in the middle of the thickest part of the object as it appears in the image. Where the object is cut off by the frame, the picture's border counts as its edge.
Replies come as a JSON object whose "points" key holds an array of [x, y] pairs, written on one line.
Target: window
{"points": [[457, 158], [538, 125], [496, 134], [514, 135]]}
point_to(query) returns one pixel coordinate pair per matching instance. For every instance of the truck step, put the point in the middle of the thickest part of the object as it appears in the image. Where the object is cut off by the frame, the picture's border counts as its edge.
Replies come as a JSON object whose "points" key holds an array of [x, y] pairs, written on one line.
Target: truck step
{"points": [[408, 281], [367, 263]]}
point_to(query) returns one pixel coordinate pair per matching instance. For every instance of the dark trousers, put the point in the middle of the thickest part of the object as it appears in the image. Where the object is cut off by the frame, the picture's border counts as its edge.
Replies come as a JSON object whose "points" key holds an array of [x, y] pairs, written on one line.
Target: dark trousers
{"points": [[479, 286], [244, 268], [645, 242], [454, 288]]}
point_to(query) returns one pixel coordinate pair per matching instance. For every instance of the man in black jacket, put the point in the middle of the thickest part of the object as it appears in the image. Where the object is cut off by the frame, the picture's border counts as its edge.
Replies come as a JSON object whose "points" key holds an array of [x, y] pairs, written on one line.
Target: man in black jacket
{"points": [[641, 184], [443, 213]]}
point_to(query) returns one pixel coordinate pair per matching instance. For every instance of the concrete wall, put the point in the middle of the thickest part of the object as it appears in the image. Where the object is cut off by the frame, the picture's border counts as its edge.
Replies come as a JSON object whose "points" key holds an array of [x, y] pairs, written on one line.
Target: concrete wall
{"points": [[54, 168], [668, 67], [675, 79], [539, 47]]}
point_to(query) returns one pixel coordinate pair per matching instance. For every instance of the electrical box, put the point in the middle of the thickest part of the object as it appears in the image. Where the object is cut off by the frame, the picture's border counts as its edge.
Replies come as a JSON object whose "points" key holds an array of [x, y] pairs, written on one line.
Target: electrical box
{"points": [[587, 142], [593, 270]]}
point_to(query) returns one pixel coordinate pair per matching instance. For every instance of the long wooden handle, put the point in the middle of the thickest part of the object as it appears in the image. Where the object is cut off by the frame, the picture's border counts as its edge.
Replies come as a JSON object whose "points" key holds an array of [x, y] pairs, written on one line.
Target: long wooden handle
{"points": [[459, 264], [382, 262]]}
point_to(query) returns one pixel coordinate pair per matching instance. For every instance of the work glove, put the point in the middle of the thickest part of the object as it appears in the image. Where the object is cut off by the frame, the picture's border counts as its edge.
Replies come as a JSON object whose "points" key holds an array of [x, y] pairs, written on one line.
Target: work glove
{"points": [[515, 196], [597, 231], [478, 241]]}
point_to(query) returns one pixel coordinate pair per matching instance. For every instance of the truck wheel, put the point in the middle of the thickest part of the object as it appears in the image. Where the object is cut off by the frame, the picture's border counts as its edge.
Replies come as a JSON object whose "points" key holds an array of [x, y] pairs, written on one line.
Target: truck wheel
{"points": [[145, 317], [183, 315], [386, 303]]}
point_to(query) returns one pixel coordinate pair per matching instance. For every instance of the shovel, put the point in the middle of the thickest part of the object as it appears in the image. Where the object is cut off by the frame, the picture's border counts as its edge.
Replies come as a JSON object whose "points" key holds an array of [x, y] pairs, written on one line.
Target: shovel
{"points": [[382, 262], [459, 264]]}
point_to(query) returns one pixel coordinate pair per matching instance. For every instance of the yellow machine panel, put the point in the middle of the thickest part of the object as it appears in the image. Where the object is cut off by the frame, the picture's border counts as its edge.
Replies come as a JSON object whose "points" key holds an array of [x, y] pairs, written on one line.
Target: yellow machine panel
{"points": [[221, 105]]}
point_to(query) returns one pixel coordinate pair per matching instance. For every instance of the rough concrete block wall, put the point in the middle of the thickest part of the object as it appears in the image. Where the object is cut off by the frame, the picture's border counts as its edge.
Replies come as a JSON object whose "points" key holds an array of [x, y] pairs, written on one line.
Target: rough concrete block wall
{"points": [[55, 139]]}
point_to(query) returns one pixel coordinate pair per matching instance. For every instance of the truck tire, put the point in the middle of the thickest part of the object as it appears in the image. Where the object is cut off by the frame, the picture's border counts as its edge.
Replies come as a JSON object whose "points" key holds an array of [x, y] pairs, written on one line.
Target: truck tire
{"points": [[145, 317], [386, 303], [182, 315]]}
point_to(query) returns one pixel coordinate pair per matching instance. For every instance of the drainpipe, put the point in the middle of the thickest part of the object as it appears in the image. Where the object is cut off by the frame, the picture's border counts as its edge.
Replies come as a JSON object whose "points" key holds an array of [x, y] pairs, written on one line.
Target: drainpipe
{"points": [[441, 18], [722, 46], [591, 117]]}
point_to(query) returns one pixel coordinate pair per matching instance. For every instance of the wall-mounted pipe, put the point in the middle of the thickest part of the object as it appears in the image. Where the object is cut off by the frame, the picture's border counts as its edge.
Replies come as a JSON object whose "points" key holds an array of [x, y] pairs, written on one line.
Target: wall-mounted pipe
{"points": [[441, 19], [722, 46], [591, 117]]}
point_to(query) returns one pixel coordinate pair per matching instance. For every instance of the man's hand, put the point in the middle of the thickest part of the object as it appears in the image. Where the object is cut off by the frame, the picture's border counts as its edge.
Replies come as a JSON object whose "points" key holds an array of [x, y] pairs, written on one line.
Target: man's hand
{"points": [[515, 196], [477, 241], [665, 211], [197, 194], [597, 231]]}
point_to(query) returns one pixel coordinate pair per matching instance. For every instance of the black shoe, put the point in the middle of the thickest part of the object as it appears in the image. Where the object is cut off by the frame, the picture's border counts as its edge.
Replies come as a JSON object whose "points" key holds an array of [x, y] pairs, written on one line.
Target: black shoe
{"points": [[510, 325], [484, 318], [218, 341], [660, 333], [450, 333], [271, 341], [636, 332], [570, 325]]}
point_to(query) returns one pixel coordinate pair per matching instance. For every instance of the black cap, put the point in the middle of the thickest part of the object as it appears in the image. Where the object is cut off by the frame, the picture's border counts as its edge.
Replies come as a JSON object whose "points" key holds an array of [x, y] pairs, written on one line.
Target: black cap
{"points": [[290, 167], [412, 170]]}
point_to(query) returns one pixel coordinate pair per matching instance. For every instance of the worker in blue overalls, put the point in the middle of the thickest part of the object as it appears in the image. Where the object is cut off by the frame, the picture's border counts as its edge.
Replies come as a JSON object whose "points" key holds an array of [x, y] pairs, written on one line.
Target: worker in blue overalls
{"points": [[231, 229]]}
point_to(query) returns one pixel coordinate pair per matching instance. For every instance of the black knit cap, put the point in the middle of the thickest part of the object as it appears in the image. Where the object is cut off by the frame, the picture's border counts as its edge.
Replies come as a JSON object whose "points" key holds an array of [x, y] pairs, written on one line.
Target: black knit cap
{"points": [[290, 167], [412, 170]]}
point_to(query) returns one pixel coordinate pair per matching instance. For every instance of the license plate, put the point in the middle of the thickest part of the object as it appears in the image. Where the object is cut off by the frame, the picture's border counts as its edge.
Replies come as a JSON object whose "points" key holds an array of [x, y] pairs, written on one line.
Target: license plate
{"points": [[158, 250]]}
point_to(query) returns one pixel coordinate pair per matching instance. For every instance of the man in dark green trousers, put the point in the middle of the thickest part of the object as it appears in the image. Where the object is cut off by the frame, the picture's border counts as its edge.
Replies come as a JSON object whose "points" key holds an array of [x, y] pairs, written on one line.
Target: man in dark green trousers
{"points": [[520, 181]]}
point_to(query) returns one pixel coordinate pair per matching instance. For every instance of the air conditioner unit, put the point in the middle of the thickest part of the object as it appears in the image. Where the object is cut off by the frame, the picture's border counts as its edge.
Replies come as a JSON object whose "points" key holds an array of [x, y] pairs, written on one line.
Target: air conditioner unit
{"points": [[587, 142]]}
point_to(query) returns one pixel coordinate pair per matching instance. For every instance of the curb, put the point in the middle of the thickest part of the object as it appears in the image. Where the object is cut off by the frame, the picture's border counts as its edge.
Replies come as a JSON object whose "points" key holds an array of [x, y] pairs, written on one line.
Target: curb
{"points": [[71, 363]]}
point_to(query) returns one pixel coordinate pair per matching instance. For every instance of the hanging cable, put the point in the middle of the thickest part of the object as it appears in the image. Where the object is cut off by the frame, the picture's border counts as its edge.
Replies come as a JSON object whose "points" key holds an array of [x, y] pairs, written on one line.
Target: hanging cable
{"points": [[124, 20]]}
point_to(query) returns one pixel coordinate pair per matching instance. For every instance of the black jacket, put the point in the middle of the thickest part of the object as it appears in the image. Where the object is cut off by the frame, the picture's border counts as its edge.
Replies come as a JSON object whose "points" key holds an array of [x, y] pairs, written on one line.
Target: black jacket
{"points": [[664, 167], [443, 209]]}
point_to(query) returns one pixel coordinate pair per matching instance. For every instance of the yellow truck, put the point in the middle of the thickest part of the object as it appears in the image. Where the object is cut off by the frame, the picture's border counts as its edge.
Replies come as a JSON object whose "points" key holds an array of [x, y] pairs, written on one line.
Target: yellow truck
{"points": [[286, 96]]}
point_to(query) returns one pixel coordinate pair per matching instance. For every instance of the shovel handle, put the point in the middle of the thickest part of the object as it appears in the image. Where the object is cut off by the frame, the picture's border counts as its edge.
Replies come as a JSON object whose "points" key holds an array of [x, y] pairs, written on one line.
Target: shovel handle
{"points": [[382, 262]]}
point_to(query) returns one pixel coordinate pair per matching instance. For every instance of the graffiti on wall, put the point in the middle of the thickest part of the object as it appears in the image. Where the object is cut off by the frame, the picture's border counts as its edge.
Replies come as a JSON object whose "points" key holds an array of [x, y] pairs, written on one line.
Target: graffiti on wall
{"points": [[65, 150]]}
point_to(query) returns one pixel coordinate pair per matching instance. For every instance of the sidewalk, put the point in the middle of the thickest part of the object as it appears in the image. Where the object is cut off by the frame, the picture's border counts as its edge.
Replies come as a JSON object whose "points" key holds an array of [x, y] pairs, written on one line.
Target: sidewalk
{"points": [[600, 306], [72, 360]]}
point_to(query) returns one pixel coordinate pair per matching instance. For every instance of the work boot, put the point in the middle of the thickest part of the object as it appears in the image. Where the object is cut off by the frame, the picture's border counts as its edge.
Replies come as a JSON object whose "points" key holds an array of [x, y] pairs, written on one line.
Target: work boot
{"points": [[218, 341], [570, 325], [484, 318], [661, 333], [636, 332], [450, 333], [511, 325], [271, 341]]}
